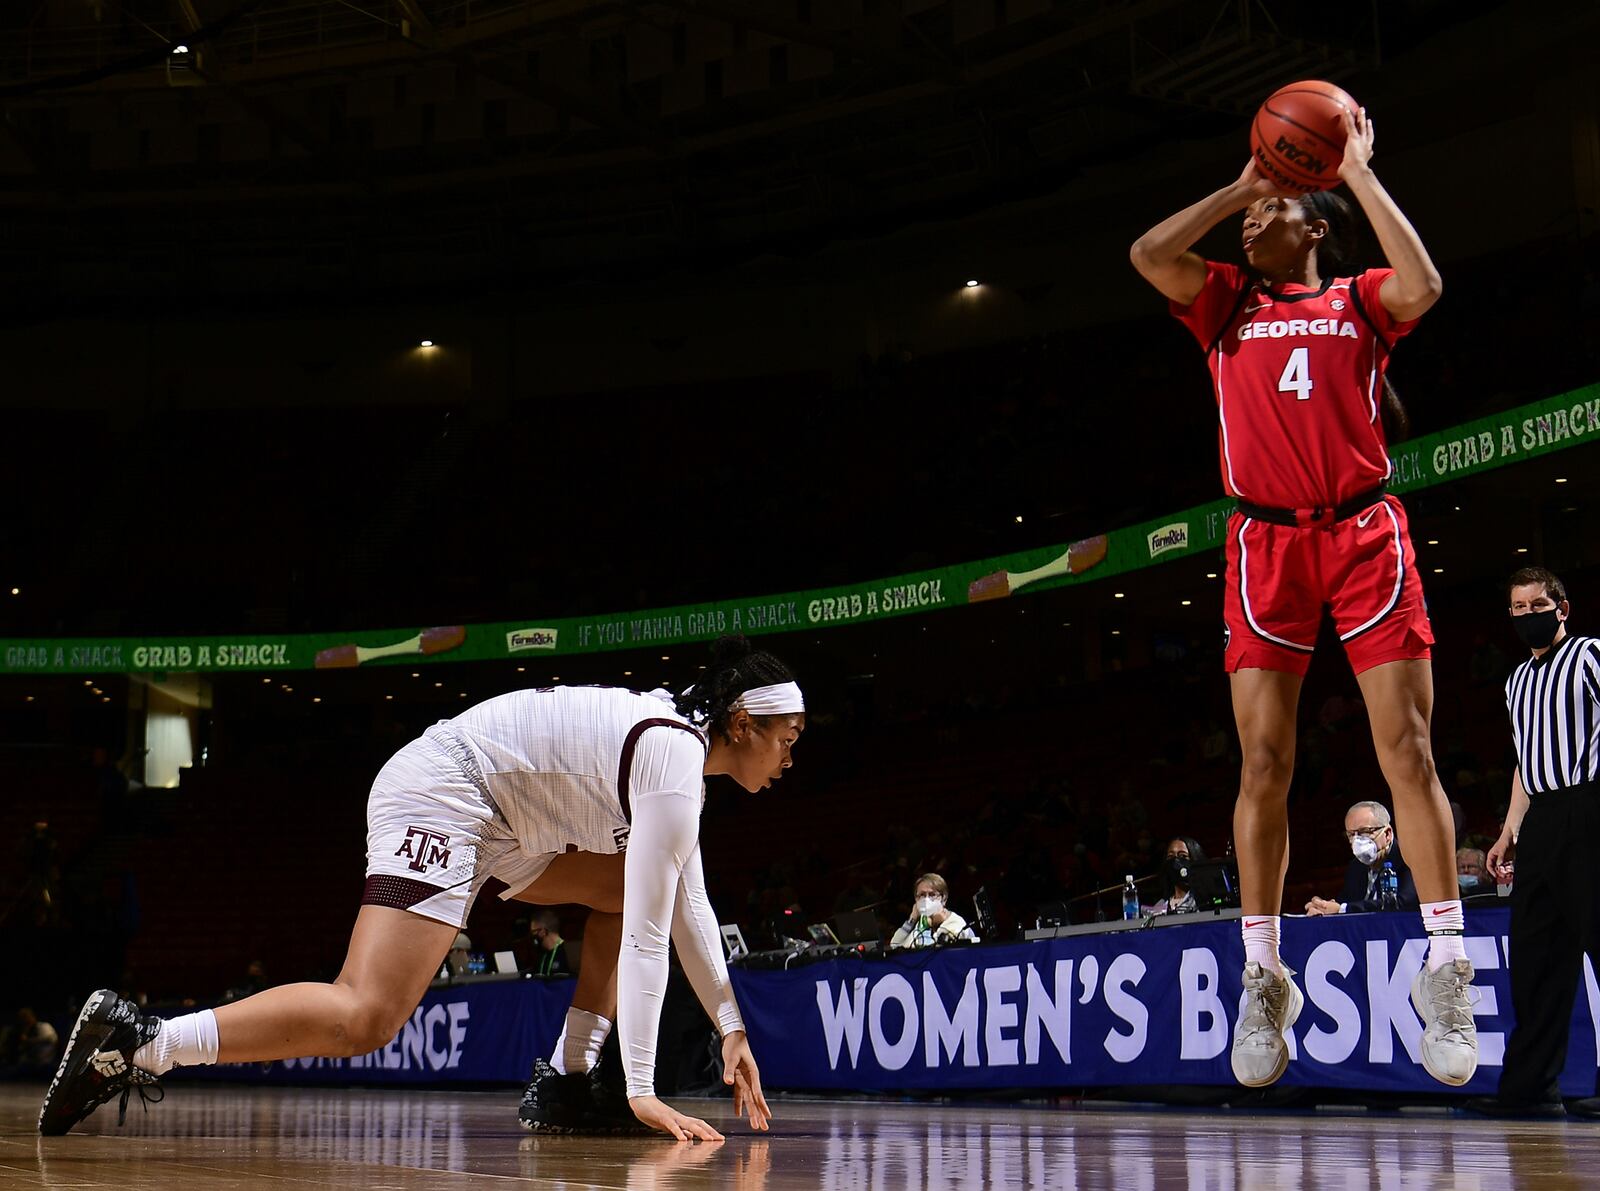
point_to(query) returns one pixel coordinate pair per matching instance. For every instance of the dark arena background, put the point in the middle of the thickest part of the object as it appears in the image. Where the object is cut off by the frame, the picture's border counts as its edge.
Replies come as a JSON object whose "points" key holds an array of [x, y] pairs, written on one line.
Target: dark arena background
{"points": [[543, 341]]}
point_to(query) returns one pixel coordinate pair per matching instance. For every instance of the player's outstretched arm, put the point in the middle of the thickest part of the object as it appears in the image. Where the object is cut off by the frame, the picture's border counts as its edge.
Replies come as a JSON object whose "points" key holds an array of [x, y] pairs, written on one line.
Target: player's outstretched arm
{"points": [[1416, 284], [1163, 254], [666, 829], [694, 930]]}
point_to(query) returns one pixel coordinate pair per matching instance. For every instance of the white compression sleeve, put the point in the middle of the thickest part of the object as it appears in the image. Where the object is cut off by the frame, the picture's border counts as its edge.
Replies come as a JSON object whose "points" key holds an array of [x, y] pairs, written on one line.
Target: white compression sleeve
{"points": [[694, 930], [665, 791]]}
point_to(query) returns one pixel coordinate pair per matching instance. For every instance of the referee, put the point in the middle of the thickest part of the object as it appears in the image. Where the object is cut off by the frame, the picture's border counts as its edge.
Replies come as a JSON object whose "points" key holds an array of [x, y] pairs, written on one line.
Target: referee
{"points": [[1551, 826]]}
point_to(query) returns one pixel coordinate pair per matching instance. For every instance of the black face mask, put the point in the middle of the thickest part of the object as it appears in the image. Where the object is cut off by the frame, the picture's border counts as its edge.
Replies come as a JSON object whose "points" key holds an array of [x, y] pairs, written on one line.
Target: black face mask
{"points": [[1177, 869], [1537, 629]]}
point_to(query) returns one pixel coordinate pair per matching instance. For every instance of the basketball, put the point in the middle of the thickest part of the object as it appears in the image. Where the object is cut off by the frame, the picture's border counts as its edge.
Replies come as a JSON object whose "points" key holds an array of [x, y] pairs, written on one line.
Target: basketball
{"points": [[1297, 137]]}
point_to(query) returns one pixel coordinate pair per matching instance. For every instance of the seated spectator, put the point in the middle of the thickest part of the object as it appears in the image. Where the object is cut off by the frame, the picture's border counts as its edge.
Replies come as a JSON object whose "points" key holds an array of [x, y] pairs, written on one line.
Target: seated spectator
{"points": [[1176, 897], [1370, 833], [931, 921], [1471, 873], [545, 930], [31, 1047]]}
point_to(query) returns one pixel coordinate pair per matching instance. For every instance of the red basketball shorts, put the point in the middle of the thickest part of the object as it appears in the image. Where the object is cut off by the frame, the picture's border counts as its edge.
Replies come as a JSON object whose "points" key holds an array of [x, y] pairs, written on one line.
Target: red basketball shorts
{"points": [[1362, 569]]}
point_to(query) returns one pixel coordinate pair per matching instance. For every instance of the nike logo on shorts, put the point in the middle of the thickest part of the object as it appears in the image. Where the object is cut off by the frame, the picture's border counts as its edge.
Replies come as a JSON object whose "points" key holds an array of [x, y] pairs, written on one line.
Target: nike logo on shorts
{"points": [[1367, 516]]}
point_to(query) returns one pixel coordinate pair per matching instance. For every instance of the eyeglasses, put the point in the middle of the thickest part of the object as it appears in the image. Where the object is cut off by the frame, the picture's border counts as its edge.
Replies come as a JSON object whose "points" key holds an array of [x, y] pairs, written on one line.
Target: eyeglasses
{"points": [[1370, 832]]}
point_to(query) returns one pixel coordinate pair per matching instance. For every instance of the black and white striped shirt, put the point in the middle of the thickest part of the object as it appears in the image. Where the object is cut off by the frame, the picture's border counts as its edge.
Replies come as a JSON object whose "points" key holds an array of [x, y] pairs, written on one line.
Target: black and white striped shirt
{"points": [[1554, 703]]}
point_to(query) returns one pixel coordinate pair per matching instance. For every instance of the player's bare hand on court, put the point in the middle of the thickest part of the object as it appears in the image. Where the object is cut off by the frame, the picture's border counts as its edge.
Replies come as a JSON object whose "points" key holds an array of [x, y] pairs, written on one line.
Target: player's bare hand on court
{"points": [[659, 1115], [1318, 906], [739, 1071], [1498, 862]]}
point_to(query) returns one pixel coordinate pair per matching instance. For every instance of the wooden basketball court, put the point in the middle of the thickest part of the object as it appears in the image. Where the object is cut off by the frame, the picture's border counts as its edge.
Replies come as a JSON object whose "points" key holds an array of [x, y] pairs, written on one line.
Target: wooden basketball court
{"points": [[205, 1136]]}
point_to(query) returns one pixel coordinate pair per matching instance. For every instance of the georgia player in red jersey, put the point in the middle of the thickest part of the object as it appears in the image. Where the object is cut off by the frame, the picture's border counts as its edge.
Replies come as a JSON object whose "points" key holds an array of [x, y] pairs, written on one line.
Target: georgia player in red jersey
{"points": [[1297, 347]]}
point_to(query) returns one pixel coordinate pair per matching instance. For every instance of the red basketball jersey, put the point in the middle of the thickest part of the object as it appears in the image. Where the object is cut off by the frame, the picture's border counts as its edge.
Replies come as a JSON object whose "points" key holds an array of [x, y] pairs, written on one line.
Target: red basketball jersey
{"points": [[1298, 374]]}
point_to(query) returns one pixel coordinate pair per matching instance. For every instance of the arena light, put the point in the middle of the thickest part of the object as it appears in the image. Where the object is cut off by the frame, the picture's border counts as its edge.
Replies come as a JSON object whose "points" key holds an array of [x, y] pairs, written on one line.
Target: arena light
{"points": [[1438, 570], [1019, 518], [16, 591], [1211, 574], [972, 283], [29, 699], [1522, 549], [426, 343], [316, 698], [180, 49], [1117, 595], [389, 698], [1186, 603]]}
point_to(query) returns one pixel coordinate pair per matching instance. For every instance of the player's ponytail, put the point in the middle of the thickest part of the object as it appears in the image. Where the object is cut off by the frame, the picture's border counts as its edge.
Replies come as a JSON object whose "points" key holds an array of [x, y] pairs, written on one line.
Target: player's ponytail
{"points": [[736, 666], [1396, 422], [1336, 251]]}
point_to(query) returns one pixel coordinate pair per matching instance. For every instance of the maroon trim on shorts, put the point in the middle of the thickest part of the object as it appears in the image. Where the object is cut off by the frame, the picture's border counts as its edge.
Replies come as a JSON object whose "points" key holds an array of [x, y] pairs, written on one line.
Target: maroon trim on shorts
{"points": [[398, 893], [630, 742]]}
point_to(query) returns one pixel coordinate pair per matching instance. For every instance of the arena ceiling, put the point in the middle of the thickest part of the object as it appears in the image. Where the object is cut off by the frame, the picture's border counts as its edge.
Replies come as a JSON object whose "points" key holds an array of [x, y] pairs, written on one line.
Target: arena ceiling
{"points": [[375, 145]]}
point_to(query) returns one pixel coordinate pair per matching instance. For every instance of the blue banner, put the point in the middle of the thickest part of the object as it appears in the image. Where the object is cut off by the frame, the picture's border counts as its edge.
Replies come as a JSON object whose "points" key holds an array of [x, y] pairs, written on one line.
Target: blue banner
{"points": [[1144, 1007], [487, 1032]]}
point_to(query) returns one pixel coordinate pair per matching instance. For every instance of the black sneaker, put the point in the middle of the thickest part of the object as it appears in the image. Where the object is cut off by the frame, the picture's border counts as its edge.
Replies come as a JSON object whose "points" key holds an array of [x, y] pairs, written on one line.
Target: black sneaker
{"points": [[98, 1063], [556, 1103], [608, 1091]]}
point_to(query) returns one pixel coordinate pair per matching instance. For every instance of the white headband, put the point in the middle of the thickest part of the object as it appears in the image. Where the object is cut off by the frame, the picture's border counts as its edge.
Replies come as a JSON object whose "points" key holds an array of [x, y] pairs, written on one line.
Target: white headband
{"points": [[783, 699]]}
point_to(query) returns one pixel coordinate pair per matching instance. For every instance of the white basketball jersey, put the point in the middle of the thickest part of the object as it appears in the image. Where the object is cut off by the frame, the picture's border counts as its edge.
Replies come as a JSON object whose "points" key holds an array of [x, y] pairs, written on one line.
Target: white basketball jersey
{"points": [[556, 760]]}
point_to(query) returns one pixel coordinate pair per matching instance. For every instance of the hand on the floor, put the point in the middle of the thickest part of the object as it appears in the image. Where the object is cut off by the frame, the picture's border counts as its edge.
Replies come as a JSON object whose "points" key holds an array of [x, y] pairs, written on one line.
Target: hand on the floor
{"points": [[739, 1071], [1321, 905], [661, 1116]]}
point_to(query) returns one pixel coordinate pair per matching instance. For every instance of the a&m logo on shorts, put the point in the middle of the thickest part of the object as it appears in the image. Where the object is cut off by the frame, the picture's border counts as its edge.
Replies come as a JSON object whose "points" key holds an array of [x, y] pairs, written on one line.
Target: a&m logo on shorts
{"points": [[424, 847]]}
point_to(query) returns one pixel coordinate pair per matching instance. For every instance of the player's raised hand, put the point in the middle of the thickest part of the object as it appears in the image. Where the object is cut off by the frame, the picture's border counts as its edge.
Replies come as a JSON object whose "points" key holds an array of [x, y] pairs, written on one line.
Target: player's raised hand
{"points": [[659, 1115], [740, 1072], [1254, 184], [1357, 143]]}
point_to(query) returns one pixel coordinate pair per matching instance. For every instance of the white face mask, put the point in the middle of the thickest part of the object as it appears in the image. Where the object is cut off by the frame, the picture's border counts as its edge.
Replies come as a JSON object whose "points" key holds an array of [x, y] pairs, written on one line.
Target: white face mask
{"points": [[929, 905], [1365, 848]]}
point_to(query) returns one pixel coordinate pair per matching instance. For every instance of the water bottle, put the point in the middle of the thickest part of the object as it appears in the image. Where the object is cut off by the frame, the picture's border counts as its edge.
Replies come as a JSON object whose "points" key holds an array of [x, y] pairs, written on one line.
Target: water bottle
{"points": [[1130, 899], [1389, 888]]}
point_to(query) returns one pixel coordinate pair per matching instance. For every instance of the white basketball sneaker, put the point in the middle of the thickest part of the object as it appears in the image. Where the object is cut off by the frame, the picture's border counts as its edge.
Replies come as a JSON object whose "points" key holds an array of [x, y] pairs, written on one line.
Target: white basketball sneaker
{"points": [[1449, 1035], [1272, 1003]]}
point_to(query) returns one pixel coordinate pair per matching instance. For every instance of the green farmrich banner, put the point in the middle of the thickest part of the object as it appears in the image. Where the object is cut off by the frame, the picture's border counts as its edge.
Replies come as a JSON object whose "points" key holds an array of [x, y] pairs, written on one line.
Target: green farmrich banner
{"points": [[1512, 436]]}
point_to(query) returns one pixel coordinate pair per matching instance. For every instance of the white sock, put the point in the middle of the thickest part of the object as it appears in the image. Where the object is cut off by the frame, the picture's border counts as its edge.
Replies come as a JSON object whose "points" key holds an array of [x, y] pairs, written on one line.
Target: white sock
{"points": [[187, 1041], [578, 1048], [1260, 933], [1444, 923]]}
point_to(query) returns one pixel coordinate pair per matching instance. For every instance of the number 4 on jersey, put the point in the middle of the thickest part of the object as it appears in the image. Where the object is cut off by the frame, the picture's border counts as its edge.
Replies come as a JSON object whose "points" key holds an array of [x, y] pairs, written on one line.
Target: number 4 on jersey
{"points": [[1296, 376]]}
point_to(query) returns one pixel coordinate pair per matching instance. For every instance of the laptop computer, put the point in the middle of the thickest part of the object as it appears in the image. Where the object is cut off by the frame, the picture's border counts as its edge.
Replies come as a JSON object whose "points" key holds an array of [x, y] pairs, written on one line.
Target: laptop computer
{"points": [[856, 926]]}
